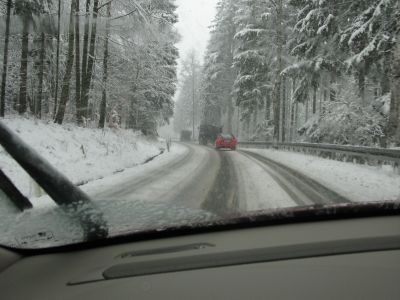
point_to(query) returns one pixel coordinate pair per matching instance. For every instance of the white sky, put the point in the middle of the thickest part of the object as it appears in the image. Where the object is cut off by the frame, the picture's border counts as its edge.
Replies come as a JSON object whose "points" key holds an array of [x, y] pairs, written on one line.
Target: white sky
{"points": [[195, 17]]}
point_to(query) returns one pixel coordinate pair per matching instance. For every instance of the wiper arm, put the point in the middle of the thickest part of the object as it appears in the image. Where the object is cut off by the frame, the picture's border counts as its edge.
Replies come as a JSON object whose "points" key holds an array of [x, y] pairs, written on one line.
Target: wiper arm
{"points": [[16, 197], [57, 185]]}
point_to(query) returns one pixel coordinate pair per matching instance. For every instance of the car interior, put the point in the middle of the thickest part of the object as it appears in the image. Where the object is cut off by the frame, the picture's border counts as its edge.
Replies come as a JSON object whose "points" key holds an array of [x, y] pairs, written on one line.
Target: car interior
{"points": [[213, 149], [327, 259]]}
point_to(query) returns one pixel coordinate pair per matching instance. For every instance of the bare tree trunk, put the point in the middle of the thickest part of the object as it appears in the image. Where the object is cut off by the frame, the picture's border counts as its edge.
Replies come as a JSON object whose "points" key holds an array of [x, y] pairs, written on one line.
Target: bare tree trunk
{"points": [[267, 106], [278, 80], [314, 104], [324, 94], [296, 118], [307, 108], [5, 60], [361, 84], [86, 40], [255, 119], [231, 111], [23, 73], [248, 128], [238, 122], [68, 71], [332, 91], [385, 79], [277, 109], [103, 105], [77, 65], [293, 111], [87, 77], [193, 96], [38, 103], [284, 110], [57, 58]]}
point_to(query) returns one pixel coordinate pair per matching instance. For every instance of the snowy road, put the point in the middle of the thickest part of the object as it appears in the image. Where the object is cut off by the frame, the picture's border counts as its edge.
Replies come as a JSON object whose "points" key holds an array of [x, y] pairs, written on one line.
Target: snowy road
{"points": [[221, 182], [194, 184]]}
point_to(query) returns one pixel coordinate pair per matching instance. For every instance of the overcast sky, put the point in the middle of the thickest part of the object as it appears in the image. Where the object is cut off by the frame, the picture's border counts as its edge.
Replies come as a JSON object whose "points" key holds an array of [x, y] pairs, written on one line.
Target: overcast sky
{"points": [[195, 17]]}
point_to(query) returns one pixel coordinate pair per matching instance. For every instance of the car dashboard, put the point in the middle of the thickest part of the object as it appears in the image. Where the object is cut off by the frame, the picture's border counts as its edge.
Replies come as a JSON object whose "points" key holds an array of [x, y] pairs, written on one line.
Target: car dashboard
{"points": [[335, 259]]}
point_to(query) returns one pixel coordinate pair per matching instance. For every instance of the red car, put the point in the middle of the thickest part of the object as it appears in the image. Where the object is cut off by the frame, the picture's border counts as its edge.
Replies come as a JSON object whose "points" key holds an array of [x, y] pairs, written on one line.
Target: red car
{"points": [[226, 141]]}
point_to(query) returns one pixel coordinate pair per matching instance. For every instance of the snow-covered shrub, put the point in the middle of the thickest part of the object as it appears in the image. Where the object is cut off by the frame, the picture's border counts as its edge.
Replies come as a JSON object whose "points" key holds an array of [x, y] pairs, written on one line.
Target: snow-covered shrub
{"points": [[263, 132], [346, 123], [382, 104], [114, 119]]}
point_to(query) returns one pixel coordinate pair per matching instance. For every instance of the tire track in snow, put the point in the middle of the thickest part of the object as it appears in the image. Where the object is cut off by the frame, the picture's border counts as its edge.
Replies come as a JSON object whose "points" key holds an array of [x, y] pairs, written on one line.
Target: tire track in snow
{"points": [[196, 186], [300, 187], [222, 198]]}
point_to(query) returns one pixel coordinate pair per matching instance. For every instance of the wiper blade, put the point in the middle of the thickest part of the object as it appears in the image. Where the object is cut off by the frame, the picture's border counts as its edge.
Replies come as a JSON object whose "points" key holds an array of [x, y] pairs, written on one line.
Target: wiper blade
{"points": [[57, 185]]}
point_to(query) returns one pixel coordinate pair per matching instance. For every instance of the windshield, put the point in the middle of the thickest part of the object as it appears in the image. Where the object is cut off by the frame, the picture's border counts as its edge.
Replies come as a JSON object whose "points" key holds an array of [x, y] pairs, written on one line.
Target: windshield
{"points": [[226, 136], [110, 113]]}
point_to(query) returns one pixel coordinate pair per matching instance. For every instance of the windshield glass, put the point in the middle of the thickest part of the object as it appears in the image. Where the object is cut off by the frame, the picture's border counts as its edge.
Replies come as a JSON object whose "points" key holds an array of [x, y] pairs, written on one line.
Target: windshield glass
{"points": [[125, 101], [226, 136]]}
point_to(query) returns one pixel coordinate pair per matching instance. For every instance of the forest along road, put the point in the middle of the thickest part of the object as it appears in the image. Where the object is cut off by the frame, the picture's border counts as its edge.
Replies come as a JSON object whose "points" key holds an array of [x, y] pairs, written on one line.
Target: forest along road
{"points": [[222, 182]]}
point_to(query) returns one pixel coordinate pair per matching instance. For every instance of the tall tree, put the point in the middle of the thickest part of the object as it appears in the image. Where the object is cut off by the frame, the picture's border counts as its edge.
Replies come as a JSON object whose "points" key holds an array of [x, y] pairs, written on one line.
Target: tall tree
{"points": [[85, 52], [277, 92], [368, 39], [57, 58], [24, 10], [393, 128], [218, 74], [249, 59], [77, 63], [68, 71], [40, 48], [87, 74], [5, 60], [38, 101], [103, 105]]}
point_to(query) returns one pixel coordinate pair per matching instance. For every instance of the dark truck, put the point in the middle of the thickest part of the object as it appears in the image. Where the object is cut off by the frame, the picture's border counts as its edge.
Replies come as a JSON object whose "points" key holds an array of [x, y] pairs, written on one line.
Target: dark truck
{"points": [[186, 136], [208, 134]]}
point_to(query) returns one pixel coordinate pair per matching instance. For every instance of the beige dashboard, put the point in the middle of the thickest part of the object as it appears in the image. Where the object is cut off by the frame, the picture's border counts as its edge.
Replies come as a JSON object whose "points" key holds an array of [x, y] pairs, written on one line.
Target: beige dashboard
{"points": [[344, 259]]}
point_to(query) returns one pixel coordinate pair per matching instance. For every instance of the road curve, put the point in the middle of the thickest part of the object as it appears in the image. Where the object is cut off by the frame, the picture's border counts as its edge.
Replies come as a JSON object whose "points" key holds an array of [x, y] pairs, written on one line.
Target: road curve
{"points": [[184, 180], [222, 182]]}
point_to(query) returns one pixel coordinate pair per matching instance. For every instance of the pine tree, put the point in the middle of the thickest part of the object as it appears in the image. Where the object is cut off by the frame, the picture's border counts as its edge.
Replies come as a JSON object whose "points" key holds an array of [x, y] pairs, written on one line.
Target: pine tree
{"points": [[368, 37], [250, 58], [218, 73]]}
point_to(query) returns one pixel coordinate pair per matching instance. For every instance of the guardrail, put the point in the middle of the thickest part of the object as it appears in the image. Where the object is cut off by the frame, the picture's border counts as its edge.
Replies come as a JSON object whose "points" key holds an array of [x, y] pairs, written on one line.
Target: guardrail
{"points": [[359, 155]]}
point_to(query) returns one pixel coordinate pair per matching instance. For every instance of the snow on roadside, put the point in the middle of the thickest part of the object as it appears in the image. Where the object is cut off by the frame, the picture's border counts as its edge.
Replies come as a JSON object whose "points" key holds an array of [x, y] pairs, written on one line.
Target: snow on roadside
{"points": [[82, 154], [98, 187], [357, 182]]}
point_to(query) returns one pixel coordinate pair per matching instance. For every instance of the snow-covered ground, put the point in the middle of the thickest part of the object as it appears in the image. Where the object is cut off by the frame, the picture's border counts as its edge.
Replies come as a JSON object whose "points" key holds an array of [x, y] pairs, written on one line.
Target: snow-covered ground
{"points": [[145, 203], [357, 182], [82, 154]]}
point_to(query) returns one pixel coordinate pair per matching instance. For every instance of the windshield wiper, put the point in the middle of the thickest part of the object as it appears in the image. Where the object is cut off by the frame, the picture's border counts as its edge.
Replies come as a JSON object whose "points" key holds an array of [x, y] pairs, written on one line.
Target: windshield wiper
{"points": [[12, 193], [57, 186]]}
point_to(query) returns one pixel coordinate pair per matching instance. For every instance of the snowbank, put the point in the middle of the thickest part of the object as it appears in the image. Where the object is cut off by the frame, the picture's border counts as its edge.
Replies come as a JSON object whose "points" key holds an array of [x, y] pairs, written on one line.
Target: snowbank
{"points": [[82, 154], [357, 182]]}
